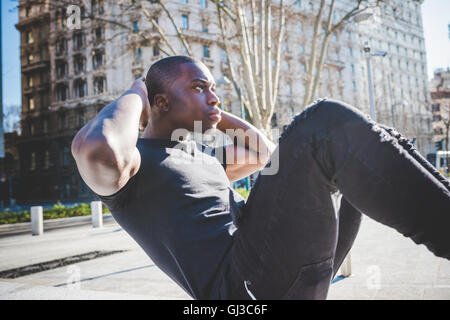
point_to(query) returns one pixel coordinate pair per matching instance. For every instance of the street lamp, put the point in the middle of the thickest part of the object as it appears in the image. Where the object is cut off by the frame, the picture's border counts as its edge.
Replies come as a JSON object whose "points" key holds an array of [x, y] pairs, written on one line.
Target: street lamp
{"points": [[369, 55]]}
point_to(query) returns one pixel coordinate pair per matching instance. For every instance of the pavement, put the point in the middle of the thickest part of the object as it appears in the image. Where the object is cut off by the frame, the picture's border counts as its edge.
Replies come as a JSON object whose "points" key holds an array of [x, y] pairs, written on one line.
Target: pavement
{"points": [[385, 266]]}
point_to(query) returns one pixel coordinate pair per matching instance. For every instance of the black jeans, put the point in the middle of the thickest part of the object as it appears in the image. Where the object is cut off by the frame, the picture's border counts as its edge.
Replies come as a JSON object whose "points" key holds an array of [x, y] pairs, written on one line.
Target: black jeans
{"points": [[291, 242]]}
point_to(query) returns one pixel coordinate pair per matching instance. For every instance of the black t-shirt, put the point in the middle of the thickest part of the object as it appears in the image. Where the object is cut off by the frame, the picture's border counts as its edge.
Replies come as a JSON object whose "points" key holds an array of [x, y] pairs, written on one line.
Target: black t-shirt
{"points": [[180, 207]]}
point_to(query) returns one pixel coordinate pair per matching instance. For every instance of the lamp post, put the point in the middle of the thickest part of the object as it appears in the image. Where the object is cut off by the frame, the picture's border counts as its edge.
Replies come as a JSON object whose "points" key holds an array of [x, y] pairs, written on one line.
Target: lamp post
{"points": [[369, 55]]}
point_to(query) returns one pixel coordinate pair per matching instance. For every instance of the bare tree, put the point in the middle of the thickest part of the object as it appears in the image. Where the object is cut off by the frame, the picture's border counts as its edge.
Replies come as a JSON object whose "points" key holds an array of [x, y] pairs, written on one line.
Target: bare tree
{"points": [[251, 34], [321, 38], [11, 118]]}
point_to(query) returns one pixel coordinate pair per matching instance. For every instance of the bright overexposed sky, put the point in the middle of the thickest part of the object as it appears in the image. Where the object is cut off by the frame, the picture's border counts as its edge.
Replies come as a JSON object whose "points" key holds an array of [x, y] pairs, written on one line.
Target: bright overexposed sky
{"points": [[436, 18]]}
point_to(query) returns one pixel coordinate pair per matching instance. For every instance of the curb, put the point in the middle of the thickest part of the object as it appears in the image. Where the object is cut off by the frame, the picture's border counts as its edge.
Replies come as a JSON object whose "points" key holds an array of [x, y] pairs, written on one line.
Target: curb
{"points": [[50, 224]]}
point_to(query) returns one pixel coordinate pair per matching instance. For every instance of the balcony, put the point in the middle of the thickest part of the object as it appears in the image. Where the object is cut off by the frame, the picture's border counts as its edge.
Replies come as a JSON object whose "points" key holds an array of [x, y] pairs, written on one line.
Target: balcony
{"points": [[203, 37], [38, 65], [34, 19]]}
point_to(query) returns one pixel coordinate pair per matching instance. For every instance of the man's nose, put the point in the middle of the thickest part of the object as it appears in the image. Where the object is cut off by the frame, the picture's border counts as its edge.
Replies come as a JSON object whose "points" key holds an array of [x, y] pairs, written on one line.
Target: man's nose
{"points": [[213, 99]]}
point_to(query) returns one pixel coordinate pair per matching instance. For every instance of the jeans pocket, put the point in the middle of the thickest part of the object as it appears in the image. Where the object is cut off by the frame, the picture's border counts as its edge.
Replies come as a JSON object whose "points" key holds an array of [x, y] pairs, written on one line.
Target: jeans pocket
{"points": [[312, 282]]}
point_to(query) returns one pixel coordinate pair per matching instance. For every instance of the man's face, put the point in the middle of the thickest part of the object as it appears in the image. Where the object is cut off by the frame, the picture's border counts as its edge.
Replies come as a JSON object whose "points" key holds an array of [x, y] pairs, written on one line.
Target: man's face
{"points": [[192, 97]]}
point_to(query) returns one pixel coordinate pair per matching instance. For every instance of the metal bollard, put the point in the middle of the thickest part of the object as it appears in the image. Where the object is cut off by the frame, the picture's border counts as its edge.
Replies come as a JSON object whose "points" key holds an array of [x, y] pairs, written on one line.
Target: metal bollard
{"points": [[37, 221], [96, 212]]}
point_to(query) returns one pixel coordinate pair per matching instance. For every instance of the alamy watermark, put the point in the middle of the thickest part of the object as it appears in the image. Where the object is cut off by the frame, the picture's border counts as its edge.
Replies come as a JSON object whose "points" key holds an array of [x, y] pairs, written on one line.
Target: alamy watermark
{"points": [[259, 150]]}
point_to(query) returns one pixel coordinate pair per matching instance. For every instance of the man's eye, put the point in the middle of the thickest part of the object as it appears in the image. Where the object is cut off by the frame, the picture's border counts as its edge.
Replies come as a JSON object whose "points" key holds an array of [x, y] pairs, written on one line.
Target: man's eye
{"points": [[200, 86]]}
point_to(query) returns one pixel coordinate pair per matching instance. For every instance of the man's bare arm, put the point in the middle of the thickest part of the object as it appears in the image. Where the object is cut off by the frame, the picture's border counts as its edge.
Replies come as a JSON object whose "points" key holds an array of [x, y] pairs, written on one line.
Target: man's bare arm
{"points": [[105, 148], [254, 145]]}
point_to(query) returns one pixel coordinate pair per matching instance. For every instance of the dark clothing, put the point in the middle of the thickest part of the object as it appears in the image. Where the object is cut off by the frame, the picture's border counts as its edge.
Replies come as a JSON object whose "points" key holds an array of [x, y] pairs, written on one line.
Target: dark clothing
{"points": [[291, 236], [177, 208], [292, 239]]}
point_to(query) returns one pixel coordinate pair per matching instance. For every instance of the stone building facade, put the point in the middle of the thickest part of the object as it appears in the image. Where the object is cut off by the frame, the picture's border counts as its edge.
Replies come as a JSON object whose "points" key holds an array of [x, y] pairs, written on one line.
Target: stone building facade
{"points": [[70, 72], [440, 104]]}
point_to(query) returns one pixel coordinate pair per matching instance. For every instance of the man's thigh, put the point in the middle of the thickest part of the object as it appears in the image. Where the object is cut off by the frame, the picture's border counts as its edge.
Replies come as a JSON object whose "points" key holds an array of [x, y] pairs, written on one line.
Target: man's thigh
{"points": [[287, 235]]}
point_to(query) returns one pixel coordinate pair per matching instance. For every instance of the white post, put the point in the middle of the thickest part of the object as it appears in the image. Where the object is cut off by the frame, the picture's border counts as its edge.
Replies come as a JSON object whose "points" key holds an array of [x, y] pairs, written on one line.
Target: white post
{"points": [[37, 221], [346, 267], [96, 213], [373, 113]]}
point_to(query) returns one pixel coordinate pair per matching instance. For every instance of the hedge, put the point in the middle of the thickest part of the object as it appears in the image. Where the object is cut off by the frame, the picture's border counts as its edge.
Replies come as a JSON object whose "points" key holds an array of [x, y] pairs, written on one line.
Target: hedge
{"points": [[60, 211]]}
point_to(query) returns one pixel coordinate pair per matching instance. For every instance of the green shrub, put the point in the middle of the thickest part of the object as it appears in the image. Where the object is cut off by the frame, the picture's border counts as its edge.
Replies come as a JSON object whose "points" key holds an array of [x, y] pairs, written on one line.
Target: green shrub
{"points": [[243, 192], [58, 211]]}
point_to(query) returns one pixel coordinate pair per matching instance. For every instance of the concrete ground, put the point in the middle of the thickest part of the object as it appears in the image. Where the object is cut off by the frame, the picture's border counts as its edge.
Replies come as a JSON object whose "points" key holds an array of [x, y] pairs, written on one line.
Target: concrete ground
{"points": [[385, 265]]}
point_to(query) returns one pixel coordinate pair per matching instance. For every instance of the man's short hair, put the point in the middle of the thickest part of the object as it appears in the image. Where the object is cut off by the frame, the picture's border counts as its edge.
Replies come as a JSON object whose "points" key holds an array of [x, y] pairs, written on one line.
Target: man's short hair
{"points": [[162, 73]]}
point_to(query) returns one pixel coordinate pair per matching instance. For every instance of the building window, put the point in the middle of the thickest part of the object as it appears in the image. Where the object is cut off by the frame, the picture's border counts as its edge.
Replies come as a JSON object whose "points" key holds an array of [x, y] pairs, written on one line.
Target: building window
{"points": [[184, 22], [30, 58], [299, 27], [32, 128], [27, 12], [184, 1], [30, 38], [81, 118], [61, 46], [302, 49], [205, 52], [436, 118], [350, 52], [79, 88], [303, 67], [298, 3], [33, 161], [353, 85], [79, 64], [61, 69], [97, 59], [66, 160], [97, 6], [99, 85], [62, 121], [62, 92], [98, 35], [203, 3], [273, 121], [78, 40], [223, 55], [352, 66], [31, 104], [46, 159], [138, 54], [45, 126], [204, 26], [135, 26], [435, 107], [30, 81]]}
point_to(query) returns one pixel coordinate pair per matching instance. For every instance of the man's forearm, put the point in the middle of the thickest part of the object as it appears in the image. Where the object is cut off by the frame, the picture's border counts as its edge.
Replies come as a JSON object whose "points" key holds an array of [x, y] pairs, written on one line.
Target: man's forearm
{"points": [[253, 139]]}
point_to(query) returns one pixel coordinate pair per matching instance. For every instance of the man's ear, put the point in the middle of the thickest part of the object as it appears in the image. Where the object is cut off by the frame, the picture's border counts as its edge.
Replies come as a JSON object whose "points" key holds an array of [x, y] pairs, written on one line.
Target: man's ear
{"points": [[162, 102]]}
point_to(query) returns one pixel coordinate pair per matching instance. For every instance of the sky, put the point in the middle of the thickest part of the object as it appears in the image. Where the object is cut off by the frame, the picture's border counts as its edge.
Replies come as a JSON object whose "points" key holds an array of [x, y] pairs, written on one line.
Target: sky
{"points": [[435, 13]]}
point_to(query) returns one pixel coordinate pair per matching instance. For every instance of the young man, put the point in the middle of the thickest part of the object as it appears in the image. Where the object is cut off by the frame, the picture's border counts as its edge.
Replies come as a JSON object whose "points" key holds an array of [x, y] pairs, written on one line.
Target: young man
{"points": [[289, 241]]}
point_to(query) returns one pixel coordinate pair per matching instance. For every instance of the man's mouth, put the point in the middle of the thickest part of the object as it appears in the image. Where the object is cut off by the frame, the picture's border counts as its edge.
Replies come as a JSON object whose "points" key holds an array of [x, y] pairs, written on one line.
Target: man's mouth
{"points": [[215, 116]]}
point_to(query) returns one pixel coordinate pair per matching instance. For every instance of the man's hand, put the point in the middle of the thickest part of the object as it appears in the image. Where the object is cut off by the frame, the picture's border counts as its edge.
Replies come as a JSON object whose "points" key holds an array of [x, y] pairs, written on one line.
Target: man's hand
{"points": [[140, 88]]}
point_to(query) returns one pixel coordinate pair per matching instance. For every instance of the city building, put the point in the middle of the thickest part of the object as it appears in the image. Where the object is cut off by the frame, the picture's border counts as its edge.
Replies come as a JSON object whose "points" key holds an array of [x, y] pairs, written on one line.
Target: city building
{"points": [[440, 104], [71, 71]]}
